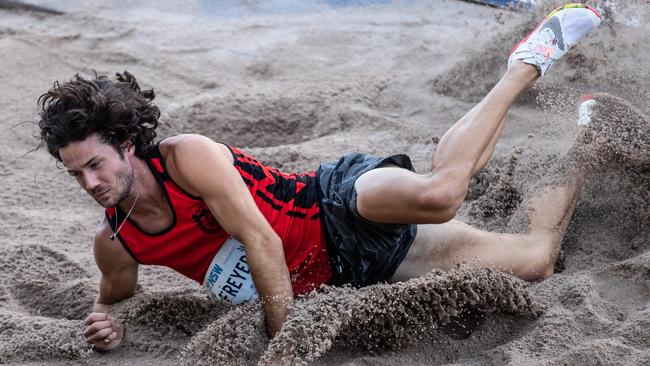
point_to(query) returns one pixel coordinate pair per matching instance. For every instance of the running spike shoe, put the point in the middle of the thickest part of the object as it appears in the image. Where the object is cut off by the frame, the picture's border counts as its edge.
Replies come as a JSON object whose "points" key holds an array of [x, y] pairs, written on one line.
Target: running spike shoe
{"points": [[555, 35]]}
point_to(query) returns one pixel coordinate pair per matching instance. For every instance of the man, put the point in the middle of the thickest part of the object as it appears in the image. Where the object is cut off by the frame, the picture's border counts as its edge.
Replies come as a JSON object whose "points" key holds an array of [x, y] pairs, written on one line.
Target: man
{"points": [[244, 230]]}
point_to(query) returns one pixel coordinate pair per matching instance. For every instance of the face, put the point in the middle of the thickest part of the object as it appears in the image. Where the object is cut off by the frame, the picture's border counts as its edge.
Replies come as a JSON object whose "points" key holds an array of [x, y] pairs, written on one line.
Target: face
{"points": [[99, 169]]}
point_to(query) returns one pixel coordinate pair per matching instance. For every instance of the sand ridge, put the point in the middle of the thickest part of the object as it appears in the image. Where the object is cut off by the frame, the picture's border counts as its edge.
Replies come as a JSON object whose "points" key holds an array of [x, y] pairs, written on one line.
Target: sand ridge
{"points": [[373, 318]]}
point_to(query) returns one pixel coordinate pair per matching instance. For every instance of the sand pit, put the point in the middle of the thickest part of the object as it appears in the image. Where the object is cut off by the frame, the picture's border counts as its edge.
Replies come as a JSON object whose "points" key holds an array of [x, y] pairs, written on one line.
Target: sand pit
{"points": [[381, 79]]}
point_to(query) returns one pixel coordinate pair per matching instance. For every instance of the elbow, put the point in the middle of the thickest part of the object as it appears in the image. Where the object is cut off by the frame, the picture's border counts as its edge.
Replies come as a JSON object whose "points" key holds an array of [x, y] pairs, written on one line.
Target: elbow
{"points": [[264, 241]]}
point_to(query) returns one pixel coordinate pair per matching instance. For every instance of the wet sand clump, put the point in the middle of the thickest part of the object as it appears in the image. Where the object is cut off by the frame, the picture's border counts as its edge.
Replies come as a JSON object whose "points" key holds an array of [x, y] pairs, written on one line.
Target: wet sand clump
{"points": [[380, 317]]}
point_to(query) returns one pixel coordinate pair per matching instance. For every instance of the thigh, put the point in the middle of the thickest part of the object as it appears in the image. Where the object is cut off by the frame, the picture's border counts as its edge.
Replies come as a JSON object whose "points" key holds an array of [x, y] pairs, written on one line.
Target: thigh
{"points": [[393, 195], [443, 246]]}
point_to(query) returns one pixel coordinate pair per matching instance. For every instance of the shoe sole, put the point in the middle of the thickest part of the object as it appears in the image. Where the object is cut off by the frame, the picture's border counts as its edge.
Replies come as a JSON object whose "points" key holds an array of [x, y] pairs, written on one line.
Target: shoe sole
{"points": [[549, 16]]}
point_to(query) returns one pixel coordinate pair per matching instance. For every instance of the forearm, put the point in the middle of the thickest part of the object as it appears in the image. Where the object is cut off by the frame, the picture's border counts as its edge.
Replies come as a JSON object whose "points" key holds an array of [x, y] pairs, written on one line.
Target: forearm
{"points": [[271, 277], [114, 288], [277, 309], [110, 293]]}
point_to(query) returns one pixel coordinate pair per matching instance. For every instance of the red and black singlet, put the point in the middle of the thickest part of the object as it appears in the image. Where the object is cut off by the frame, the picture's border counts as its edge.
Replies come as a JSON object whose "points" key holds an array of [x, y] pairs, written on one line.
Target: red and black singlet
{"points": [[188, 245]]}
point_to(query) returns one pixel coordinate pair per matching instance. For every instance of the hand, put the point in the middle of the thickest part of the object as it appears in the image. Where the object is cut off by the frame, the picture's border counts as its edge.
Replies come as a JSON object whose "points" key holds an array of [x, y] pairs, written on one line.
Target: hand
{"points": [[103, 332]]}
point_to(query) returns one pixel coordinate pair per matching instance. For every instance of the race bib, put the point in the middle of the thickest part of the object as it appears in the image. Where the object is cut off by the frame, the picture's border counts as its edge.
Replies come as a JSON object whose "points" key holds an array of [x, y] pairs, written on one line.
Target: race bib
{"points": [[228, 277]]}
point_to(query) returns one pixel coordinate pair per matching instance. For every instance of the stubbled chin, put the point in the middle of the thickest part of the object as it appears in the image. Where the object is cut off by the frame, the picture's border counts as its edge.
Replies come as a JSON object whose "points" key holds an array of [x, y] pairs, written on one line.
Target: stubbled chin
{"points": [[104, 202]]}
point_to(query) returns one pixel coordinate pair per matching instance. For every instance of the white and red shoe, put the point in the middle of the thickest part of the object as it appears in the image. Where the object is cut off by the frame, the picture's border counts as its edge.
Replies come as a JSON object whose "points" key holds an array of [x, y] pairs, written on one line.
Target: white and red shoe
{"points": [[562, 29], [587, 102]]}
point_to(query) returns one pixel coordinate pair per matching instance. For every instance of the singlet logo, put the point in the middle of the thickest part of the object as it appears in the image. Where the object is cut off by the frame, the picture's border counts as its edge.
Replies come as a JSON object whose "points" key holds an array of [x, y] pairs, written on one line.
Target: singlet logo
{"points": [[204, 219]]}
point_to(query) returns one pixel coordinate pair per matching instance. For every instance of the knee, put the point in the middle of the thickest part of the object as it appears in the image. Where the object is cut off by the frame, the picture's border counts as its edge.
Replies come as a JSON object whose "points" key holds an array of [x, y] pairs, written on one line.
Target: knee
{"points": [[540, 272], [442, 199], [547, 268], [542, 265]]}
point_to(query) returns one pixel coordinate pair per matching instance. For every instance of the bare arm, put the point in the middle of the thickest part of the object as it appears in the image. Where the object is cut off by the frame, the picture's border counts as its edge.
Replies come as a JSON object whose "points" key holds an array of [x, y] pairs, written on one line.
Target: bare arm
{"points": [[200, 166], [118, 281]]}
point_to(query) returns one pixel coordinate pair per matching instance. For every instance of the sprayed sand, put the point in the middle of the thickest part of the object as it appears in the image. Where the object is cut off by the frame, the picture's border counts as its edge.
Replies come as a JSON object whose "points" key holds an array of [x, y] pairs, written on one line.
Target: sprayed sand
{"points": [[373, 318], [299, 89]]}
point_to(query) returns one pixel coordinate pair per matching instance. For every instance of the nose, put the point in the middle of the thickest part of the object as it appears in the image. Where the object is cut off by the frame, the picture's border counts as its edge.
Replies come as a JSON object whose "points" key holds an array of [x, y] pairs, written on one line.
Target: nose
{"points": [[90, 181]]}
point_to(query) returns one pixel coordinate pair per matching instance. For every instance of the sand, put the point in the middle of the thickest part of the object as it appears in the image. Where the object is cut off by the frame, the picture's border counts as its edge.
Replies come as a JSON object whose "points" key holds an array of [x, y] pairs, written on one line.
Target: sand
{"points": [[380, 79]]}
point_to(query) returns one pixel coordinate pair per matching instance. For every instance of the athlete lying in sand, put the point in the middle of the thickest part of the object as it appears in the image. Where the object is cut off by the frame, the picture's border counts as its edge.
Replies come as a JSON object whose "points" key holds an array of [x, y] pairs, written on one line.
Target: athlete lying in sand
{"points": [[244, 230]]}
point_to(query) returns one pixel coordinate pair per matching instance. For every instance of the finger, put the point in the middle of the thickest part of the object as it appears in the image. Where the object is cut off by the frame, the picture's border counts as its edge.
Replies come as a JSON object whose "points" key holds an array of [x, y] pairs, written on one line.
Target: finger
{"points": [[94, 317], [111, 336], [93, 328], [113, 322], [104, 342], [116, 326], [98, 338], [100, 335]]}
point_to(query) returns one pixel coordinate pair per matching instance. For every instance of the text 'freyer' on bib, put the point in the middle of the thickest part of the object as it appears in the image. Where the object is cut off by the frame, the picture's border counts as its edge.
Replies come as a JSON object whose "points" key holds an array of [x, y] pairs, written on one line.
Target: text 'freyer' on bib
{"points": [[228, 277]]}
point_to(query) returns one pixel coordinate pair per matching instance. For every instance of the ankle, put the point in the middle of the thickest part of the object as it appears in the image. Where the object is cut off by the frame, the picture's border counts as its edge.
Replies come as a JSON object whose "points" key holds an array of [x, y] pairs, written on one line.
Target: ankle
{"points": [[523, 72]]}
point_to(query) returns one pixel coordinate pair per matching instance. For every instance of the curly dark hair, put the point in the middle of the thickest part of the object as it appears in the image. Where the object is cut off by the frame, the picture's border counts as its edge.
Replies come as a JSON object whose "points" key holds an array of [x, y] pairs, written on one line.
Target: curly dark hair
{"points": [[116, 110]]}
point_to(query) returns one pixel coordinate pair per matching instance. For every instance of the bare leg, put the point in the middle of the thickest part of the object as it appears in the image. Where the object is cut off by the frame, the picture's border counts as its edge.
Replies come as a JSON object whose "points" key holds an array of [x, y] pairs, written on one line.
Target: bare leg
{"points": [[466, 141], [528, 256], [389, 195], [487, 153]]}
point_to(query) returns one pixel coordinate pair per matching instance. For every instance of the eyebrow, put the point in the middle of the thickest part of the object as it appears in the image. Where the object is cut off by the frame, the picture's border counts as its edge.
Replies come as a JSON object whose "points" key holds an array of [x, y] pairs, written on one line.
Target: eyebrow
{"points": [[85, 165]]}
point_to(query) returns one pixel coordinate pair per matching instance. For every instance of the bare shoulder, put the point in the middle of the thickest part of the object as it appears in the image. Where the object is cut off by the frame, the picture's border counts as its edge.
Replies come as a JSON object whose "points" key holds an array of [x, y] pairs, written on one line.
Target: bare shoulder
{"points": [[192, 159], [179, 146], [110, 255]]}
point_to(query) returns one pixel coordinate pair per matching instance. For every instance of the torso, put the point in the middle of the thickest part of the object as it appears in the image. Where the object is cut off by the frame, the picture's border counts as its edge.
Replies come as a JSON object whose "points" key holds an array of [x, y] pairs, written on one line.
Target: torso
{"points": [[185, 236]]}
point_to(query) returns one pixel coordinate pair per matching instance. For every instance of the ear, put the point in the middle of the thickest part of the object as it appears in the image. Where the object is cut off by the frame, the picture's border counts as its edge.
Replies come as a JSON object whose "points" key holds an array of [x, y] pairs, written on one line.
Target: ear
{"points": [[128, 147]]}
